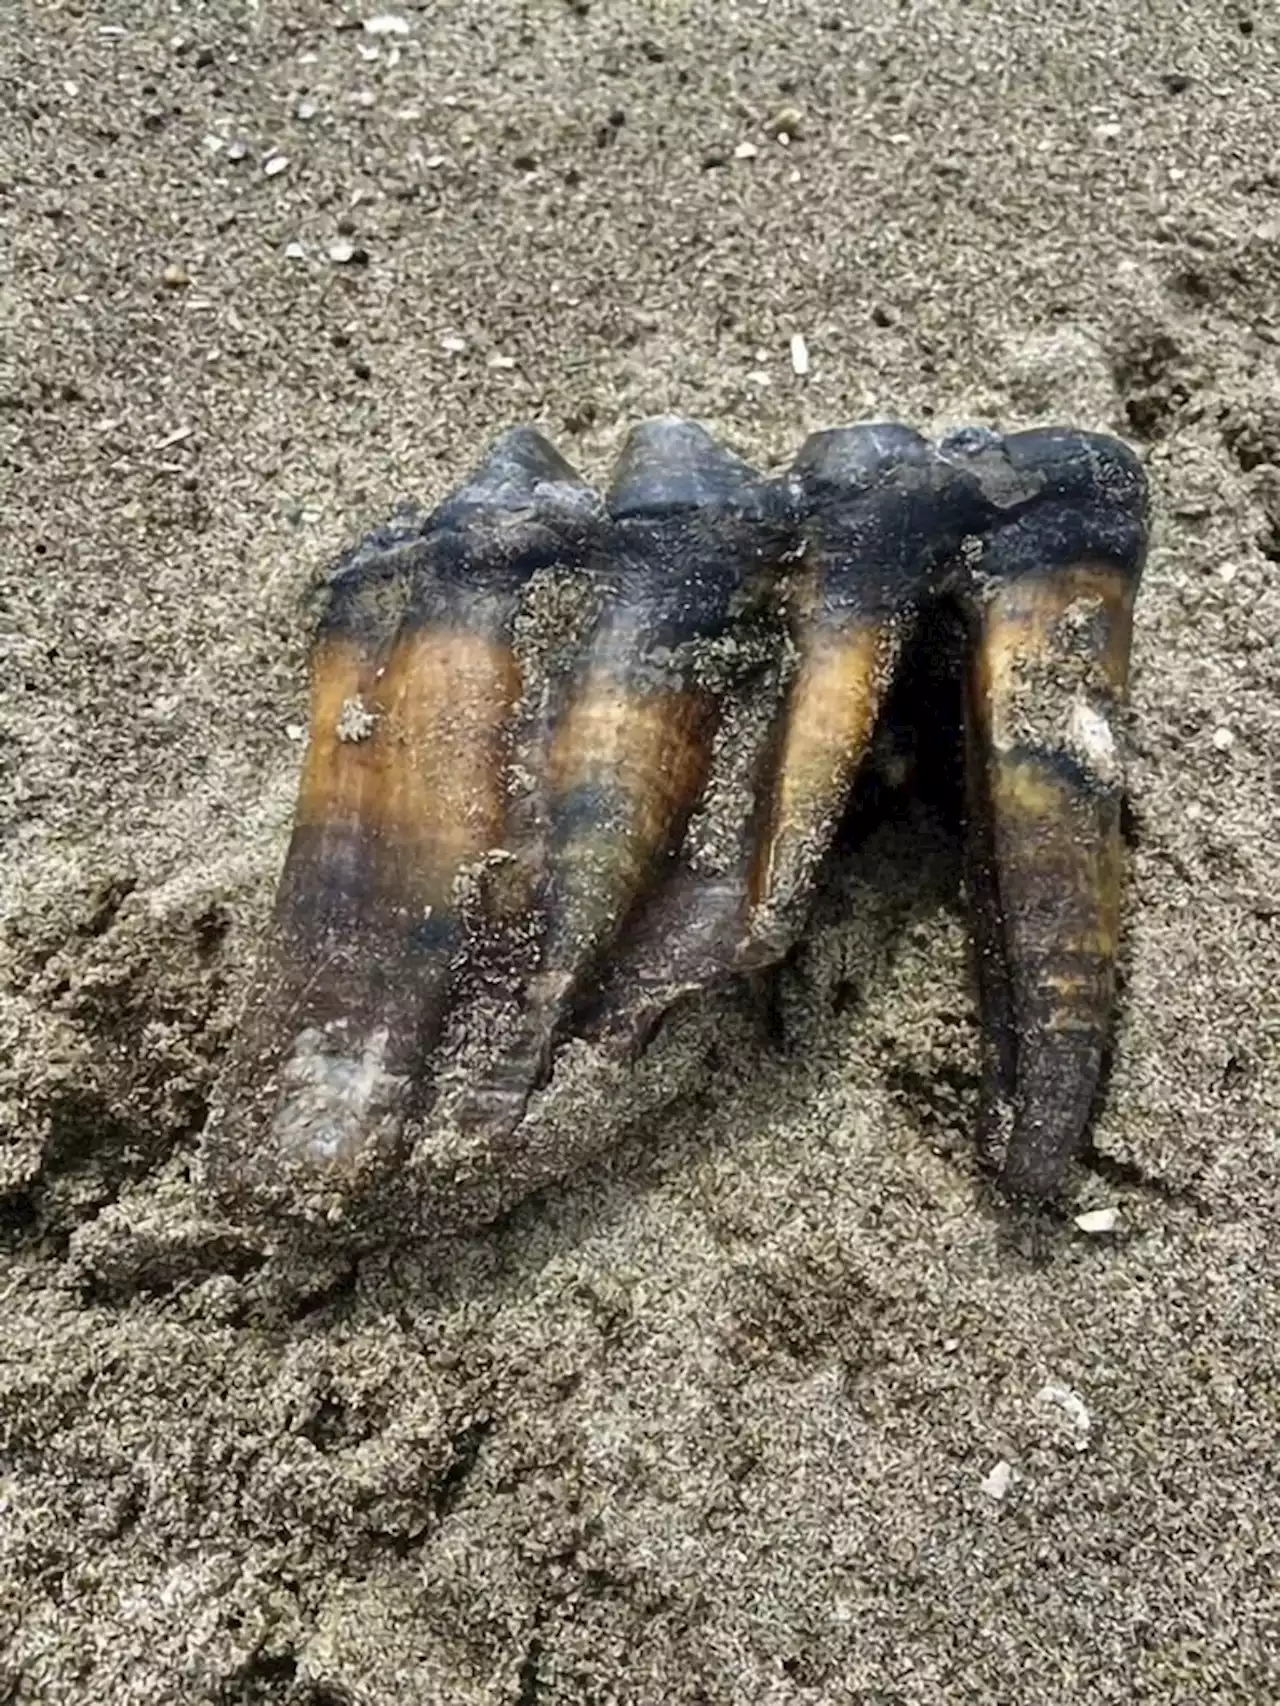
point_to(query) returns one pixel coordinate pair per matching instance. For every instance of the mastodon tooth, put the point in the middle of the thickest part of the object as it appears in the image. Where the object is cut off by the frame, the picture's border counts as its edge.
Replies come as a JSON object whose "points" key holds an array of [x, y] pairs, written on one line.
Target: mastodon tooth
{"points": [[413, 679], [695, 536], [1050, 605], [880, 517]]}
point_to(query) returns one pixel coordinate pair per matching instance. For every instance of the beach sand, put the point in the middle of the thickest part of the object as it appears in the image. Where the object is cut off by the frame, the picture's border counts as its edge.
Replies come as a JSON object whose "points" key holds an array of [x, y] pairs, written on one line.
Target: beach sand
{"points": [[721, 1418]]}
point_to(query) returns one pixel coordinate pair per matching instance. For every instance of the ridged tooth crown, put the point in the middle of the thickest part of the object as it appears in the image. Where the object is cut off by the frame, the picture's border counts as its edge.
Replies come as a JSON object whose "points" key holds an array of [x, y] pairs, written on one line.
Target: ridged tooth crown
{"points": [[523, 507], [512, 474], [845, 461], [1060, 462], [1089, 493], [673, 464], [881, 514]]}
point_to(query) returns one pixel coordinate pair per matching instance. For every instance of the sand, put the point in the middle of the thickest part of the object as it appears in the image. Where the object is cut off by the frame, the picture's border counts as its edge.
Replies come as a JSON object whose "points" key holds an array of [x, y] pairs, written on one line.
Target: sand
{"points": [[722, 1418]]}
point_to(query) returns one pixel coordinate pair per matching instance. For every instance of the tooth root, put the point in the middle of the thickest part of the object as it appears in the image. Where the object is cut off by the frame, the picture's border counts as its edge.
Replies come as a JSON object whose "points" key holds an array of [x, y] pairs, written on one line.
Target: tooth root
{"points": [[311, 1066], [834, 704], [1047, 680], [877, 519], [413, 684], [631, 754], [687, 938], [694, 531], [625, 771]]}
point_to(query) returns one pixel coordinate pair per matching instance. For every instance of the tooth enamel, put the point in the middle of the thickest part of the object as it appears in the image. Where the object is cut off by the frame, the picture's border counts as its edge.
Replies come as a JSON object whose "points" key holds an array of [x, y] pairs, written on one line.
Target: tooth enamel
{"points": [[572, 759]]}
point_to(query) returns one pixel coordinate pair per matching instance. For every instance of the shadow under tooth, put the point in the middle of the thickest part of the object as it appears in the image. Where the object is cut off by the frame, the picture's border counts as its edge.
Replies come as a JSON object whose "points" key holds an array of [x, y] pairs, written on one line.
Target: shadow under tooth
{"points": [[695, 534], [879, 516], [1051, 617], [403, 787]]}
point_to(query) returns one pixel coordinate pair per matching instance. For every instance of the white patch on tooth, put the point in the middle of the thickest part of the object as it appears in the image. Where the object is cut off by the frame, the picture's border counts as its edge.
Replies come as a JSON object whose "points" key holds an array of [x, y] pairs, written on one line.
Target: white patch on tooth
{"points": [[1091, 739], [333, 1103], [355, 722]]}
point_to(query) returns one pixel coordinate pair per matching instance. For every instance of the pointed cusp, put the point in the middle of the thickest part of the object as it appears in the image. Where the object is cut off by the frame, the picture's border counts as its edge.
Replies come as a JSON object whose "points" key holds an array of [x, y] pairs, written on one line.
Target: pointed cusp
{"points": [[878, 517], [413, 679], [1050, 607]]}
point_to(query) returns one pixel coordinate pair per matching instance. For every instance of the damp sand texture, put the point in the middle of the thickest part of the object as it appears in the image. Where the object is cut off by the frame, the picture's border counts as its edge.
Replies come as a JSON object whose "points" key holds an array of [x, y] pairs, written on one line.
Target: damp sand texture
{"points": [[770, 1404]]}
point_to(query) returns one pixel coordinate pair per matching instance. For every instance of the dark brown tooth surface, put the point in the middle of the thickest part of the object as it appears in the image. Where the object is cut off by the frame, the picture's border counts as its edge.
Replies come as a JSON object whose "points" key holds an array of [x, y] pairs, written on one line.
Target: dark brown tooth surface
{"points": [[877, 520], [1051, 610], [695, 536], [413, 681]]}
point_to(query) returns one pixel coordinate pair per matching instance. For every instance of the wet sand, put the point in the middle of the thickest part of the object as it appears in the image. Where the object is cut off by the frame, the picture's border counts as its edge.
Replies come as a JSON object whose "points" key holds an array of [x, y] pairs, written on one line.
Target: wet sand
{"points": [[721, 1418]]}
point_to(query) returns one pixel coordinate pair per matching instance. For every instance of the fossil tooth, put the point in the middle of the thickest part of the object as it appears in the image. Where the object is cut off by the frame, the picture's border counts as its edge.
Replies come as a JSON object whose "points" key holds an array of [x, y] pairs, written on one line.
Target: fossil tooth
{"points": [[695, 538], [1051, 610], [880, 514], [413, 683]]}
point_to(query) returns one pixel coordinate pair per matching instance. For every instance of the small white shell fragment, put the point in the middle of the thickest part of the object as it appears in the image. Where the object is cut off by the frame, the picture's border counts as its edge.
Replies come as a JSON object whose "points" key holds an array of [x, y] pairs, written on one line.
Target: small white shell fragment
{"points": [[1098, 1221], [179, 435], [502, 361], [275, 164], [386, 24], [1072, 1406], [998, 1483], [294, 731], [295, 252], [745, 151], [341, 251], [1090, 734], [799, 354], [1223, 739], [784, 124], [305, 110], [453, 343]]}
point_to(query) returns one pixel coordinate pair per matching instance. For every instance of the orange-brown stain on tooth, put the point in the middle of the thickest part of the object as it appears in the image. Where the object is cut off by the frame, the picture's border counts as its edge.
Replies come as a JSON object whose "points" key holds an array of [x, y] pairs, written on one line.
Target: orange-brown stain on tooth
{"points": [[340, 778], [1052, 841], [830, 718], [1057, 842], [413, 754], [1021, 624], [448, 695], [651, 752]]}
